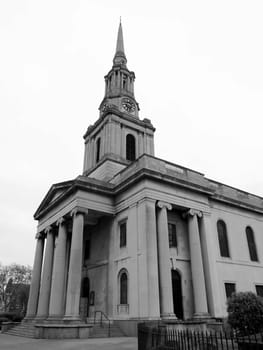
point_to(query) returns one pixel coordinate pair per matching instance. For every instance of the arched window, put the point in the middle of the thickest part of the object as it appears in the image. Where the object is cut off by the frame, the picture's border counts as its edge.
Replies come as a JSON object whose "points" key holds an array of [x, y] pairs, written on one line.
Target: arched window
{"points": [[123, 288], [251, 244], [98, 150], [130, 147], [222, 238]]}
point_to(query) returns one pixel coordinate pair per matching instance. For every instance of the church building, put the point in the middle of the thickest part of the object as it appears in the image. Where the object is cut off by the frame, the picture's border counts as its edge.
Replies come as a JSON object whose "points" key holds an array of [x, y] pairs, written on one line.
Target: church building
{"points": [[135, 237]]}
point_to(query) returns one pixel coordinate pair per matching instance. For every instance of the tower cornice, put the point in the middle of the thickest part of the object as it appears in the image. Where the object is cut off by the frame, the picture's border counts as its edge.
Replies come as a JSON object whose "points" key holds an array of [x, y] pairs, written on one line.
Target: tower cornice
{"points": [[113, 111]]}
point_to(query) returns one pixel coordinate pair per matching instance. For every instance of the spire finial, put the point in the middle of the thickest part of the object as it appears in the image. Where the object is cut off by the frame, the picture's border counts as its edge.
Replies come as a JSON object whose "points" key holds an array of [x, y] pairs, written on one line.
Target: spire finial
{"points": [[120, 57]]}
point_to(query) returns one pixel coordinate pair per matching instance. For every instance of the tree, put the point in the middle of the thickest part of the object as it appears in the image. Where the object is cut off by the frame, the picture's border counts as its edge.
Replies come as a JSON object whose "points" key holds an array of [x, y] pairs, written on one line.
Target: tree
{"points": [[14, 286], [245, 312]]}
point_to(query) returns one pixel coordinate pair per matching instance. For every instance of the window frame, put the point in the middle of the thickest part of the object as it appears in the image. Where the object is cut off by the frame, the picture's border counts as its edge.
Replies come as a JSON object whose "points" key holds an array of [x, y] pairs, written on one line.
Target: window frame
{"points": [[256, 288], [98, 149], [229, 283], [172, 235], [130, 147], [123, 293], [223, 241], [252, 247], [123, 234]]}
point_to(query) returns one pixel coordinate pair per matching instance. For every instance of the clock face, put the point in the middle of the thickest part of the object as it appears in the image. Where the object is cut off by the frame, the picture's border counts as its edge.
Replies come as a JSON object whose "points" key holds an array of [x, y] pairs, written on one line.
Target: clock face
{"points": [[128, 105]]}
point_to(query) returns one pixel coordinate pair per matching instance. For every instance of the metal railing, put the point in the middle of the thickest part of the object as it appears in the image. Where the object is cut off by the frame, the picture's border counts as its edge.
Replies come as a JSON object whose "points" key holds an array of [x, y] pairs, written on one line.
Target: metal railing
{"points": [[162, 338], [102, 319]]}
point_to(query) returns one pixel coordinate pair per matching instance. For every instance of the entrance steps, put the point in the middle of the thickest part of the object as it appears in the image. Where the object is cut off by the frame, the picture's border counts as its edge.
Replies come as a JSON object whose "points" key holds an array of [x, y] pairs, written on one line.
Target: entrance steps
{"points": [[98, 330], [105, 330], [26, 330]]}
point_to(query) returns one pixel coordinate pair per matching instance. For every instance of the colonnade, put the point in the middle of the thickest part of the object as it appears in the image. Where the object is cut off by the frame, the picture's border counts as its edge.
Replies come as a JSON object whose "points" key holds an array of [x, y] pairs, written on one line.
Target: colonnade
{"points": [[164, 264], [55, 286]]}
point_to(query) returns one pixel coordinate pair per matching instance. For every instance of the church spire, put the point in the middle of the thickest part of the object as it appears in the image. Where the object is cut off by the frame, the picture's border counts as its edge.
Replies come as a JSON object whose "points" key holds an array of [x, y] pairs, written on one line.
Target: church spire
{"points": [[120, 58]]}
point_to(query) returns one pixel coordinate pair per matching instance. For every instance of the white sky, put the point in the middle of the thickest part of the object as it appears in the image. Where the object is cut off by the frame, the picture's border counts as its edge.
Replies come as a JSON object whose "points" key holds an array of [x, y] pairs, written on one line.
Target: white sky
{"points": [[199, 78]]}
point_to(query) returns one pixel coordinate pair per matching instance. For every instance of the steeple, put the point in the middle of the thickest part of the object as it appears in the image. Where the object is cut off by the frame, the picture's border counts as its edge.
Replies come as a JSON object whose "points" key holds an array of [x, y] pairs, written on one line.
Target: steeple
{"points": [[119, 83], [118, 137], [120, 58]]}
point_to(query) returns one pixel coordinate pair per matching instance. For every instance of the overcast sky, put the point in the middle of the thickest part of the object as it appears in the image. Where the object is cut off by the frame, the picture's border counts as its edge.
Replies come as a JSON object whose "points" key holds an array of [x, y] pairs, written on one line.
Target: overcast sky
{"points": [[199, 78]]}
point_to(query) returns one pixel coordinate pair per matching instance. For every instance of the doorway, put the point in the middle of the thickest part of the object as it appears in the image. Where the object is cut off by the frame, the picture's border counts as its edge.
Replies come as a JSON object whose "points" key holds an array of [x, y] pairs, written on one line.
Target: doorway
{"points": [[85, 296], [177, 294]]}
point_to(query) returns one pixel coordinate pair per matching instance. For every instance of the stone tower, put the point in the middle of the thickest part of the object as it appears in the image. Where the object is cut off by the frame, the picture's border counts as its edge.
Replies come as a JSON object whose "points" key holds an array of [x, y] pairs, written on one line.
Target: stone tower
{"points": [[118, 137]]}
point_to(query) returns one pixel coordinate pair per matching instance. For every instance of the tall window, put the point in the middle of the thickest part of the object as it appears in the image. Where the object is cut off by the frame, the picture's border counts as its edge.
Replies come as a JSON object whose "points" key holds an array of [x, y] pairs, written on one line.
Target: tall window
{"points": [[130, 147], [251, 244], [172, 235], [230, 289], [98, 150], [123, 234], [222, 238], [123, 288]]}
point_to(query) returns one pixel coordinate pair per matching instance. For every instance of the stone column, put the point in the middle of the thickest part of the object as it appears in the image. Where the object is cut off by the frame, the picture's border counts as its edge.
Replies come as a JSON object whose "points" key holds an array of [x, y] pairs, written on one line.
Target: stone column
{"points": [[165, 279], [36, 277], [148, 291], [43, 304], [56, 305], [75, 267], [200, 300], [209, 255]]}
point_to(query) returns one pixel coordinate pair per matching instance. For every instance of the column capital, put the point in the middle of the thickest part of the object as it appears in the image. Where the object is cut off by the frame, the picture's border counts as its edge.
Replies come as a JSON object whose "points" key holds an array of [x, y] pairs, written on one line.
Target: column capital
{"points": [[192, 212], [48, 230], [78, 210], [39, 235], [60, 221], [161, 204]]}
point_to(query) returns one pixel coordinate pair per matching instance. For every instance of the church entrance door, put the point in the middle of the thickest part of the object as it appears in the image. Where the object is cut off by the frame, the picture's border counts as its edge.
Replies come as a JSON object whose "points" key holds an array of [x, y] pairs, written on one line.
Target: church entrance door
{"points": [[177, 294]]}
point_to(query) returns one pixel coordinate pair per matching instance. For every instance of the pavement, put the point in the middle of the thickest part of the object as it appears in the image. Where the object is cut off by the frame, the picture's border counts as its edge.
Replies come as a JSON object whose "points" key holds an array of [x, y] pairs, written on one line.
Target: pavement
{"points": [[8, 342]]}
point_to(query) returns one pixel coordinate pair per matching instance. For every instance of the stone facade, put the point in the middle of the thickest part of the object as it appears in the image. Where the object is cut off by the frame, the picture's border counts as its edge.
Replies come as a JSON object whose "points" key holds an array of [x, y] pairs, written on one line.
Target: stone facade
{"points": [[137, 237]]}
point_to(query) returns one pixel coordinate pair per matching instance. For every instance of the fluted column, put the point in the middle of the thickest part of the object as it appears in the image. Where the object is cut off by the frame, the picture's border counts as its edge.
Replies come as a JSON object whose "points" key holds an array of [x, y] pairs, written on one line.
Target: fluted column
{"points": [[200, 299], [75, 267], [165, 280], [43, 303], [56, 305], [36, 277]]}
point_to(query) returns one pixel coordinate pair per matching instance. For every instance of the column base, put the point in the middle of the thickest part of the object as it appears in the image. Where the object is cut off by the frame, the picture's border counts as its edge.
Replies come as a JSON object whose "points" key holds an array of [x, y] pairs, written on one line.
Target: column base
{"points": [[171, 316], [72, 319], [40, 318], [29, 319], [201, 316], [55, 319]]}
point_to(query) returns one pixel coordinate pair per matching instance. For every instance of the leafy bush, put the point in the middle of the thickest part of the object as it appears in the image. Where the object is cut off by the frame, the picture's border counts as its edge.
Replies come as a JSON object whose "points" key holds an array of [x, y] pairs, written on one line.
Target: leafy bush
{"points": [[245, 312], [10, 316]]}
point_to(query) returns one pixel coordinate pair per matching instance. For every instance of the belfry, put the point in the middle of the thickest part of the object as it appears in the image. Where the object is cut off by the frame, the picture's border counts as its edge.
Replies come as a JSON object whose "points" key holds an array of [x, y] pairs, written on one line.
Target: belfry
{"points": [[136, 237]]}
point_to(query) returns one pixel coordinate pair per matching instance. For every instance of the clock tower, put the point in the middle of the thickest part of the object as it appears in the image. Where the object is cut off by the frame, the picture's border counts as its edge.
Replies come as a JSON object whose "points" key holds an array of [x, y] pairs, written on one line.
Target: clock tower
{"points": [[118, 137]]}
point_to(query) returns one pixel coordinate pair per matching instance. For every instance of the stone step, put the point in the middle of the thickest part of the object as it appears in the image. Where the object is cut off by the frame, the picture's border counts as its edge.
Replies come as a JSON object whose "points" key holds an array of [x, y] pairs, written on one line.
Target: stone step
{"points": [[103, 331], [22, 330]]}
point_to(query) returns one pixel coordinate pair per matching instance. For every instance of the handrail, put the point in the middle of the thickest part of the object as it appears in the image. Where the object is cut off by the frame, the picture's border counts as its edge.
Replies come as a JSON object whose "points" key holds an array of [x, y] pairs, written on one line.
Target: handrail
{"points": [[102, 314]]}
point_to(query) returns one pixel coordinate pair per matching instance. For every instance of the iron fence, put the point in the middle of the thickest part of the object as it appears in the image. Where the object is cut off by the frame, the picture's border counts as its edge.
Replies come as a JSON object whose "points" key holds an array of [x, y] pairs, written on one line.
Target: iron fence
{"points": [[161, 338]]}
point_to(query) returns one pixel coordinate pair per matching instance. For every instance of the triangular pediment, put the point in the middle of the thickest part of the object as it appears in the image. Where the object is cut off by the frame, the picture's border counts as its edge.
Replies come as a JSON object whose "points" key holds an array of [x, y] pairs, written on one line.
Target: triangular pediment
{"points": [[56, 191]]}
